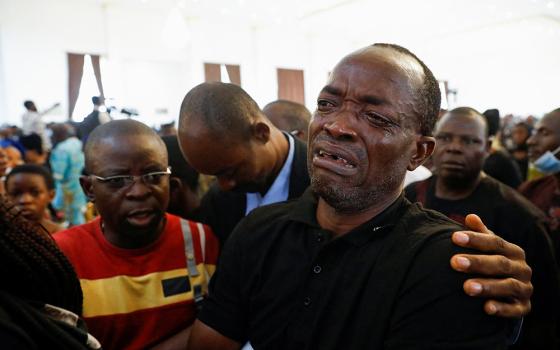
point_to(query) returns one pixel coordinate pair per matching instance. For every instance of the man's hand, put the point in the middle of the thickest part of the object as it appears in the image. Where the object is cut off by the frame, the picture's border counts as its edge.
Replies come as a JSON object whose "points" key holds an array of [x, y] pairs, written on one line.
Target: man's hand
{"points": [[509, 276]]}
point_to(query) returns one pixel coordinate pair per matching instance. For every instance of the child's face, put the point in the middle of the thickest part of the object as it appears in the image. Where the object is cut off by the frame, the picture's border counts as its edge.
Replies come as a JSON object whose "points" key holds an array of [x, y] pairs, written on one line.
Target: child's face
{"points": [[30, 193]]}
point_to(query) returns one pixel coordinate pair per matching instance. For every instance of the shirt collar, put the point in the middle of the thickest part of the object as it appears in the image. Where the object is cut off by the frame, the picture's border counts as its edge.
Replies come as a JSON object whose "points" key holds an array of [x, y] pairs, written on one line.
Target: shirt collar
{"points": [[305, 208], [280, 188]]}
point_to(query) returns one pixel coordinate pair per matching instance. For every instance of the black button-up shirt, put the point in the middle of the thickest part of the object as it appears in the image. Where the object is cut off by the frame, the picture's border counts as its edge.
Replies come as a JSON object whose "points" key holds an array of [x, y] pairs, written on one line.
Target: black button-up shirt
{"points": [[283, 282]]}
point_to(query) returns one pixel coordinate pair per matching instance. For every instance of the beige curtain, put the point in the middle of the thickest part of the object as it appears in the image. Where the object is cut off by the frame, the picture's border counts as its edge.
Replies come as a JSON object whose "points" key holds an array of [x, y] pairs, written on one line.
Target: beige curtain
{"points": [[234, 73], [211, 72], [75, 72], [290, 85], [97, 72]]}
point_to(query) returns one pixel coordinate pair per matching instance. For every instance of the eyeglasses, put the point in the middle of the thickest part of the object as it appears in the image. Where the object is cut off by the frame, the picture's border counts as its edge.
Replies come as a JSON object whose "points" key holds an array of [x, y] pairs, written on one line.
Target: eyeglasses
{"points": [[120, 181]]}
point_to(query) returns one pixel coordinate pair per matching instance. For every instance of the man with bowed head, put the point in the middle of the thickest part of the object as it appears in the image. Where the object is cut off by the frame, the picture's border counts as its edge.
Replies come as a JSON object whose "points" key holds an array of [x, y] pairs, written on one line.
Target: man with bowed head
{"points": [[352, 254]]}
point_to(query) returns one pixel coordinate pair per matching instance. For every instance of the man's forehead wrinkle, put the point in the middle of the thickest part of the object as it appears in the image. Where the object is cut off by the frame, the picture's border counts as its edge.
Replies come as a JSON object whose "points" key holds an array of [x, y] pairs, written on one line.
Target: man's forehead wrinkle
{"points": [[333, 90], [550, 122]]}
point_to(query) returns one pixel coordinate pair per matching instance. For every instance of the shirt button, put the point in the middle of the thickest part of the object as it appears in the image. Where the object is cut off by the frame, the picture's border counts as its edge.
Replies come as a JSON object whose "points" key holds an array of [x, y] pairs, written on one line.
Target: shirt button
{"points": [[317, 269], [307, 301], [319, 238]]}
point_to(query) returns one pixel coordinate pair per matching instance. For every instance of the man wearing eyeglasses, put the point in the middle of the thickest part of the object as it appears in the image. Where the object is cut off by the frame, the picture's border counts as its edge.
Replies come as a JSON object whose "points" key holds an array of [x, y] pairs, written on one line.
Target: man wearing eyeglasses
{"points": [[461, 187], [143, 272]]}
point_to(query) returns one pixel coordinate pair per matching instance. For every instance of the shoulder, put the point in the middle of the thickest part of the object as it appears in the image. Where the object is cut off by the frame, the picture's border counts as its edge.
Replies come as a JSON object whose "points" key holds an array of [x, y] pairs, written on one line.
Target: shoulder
{"points": [[421, 220], [262, 222], [202, 235], [511, 199], [175, 224], [538, 184], [222, 198], [417, 189], [276, 211], [76, 236]]}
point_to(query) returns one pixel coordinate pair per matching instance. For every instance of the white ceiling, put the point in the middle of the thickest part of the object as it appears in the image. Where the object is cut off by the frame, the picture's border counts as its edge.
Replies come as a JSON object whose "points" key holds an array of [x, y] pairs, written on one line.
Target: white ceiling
{"points": [[401, 18]]}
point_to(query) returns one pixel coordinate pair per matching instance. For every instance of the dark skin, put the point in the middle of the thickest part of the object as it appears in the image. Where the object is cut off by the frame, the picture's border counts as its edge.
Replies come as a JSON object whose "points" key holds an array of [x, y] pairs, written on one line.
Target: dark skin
{"points": [[546, 136], [462, 148], [31, 195], [133, 217], [365, 117], [183, 200], [245, 163]]}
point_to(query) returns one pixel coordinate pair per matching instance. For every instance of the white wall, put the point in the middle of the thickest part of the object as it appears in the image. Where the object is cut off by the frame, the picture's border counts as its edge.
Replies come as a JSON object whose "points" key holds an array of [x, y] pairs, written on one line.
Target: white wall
{"points": [[36, 37], [511, 65]]}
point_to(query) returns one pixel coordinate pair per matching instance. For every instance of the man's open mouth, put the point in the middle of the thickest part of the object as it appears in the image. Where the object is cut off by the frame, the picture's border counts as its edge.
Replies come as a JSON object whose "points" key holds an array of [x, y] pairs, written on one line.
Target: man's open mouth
{"points": [[334, 162], [141, 217], [336, 158]]}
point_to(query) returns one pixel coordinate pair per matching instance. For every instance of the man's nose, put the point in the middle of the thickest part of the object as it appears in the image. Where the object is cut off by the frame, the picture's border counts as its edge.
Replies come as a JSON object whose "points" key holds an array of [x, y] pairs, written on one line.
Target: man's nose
{"points": [[341, 127], [455, 145], [24, 198], [138, 189], [226, 184], [531, 140]]}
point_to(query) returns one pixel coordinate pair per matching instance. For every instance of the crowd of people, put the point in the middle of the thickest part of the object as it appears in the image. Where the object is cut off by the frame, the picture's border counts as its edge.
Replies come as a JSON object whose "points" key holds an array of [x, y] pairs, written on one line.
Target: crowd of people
{"points": [[379, 221]]}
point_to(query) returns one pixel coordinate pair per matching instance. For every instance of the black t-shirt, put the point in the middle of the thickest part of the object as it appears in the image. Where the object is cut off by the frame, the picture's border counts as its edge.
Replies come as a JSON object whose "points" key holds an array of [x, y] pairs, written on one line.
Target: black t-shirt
{"points": [[285, 283], [508, 214]]}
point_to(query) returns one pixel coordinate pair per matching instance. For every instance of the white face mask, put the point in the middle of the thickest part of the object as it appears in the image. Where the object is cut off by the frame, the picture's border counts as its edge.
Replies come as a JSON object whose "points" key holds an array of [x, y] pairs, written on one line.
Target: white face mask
{"points": [[547, 163]]}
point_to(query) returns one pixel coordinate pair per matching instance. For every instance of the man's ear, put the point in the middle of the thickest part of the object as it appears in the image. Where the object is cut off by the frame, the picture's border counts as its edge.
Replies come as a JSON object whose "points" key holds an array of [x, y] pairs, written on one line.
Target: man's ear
{"points": [[489, 144], [51, 194], [261, 131], [175, 184], [87, 187], [424, 148]]}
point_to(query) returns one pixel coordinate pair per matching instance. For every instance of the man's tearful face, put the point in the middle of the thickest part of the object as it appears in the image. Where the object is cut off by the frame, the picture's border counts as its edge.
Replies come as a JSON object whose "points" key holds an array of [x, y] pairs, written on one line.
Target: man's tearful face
{"points": [[361, 135]]}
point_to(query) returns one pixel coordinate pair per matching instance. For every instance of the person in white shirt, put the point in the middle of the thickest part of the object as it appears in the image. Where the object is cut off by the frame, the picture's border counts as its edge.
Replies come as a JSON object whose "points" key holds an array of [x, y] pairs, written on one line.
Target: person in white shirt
{"points": [[32, 123]]}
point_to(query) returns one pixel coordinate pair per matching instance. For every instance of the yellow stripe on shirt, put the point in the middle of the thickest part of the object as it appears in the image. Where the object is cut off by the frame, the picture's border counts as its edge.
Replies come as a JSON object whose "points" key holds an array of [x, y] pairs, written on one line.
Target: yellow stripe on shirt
{"points": [[125, 294]]}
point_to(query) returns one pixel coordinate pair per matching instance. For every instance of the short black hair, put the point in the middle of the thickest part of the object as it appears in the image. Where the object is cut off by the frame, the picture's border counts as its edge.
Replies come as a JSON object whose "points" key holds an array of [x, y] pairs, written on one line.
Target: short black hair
{"points": [[179, 166], [429, 96], [28, 104], [297, 116], [492, 117], [35, 170], [225, 109], [97, 100], [32, 142]]}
